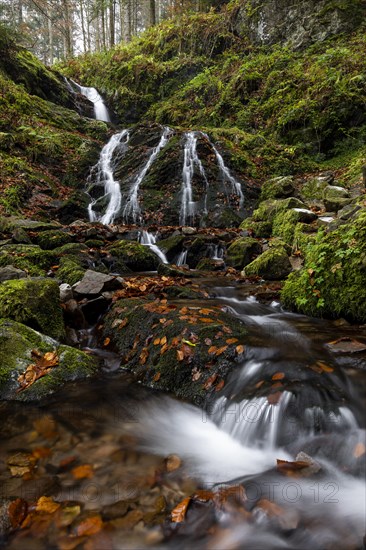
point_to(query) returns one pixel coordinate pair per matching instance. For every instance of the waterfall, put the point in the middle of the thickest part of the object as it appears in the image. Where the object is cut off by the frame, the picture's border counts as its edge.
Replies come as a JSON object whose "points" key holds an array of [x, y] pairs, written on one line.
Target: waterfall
{"points": [[226, 175], [132, 207], [104, 170], [100, 110], [182, 258], [188, 207], [148, 239], [216, 252]]}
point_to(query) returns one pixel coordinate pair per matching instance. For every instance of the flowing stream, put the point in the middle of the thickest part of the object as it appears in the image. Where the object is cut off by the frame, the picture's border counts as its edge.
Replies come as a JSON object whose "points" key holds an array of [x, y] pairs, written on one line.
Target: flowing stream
{"points": [[148, 239], [100, 109], [234, 441]]}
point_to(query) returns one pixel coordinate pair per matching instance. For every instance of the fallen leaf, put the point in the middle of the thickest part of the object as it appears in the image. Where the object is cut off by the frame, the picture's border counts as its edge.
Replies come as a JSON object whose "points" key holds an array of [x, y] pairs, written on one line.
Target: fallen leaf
{"points": [[188, 343], [47, 504], [240, 349], [180, 355], [210, 380], [163, 340], [90, 526], [220, 351], [220, 385], [172, 463], [212, 350], [208, 342], [273, 398], [203, 495], [206, 320], [143, 356], [156, 342], [106, 342], [278, 376], [17, 511], [231, 341], [179, 512], [324, 367], [227, 330], [157, 377], [359, 450], [83, 471]]}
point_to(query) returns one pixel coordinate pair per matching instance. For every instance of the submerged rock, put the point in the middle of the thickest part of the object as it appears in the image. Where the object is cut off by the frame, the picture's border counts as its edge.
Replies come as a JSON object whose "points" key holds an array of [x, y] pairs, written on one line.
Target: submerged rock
{"points": [[17, 342]]}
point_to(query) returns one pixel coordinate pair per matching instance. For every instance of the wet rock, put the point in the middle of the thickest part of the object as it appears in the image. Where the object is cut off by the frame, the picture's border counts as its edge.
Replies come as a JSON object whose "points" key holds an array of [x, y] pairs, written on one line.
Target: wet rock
{"points": [[209, 264], [93, 309], [174, 271], [335, 197], [187, 350], [34, 302], [9, 272], [94, 283], [242, 251], [273, 264], [348, 211], [20, 236], [278, 188], [305, 215], [17, 342], [189, 230], [172, 246], [132, 255], [66, 292]]}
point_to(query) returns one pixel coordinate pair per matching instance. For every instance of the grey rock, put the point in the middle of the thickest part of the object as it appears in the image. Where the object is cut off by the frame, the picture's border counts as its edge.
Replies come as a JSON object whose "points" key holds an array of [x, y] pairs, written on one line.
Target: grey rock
{"points": [[305, 215], [9, 272], [66, 292], [348, 211], [94, 283]]}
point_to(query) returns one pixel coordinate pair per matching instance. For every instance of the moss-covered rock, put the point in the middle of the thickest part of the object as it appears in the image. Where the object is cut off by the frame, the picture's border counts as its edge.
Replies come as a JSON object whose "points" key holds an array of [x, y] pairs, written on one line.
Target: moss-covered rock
{"points": [[34, 302], [268, 209], [49, 240], [186, 354], [303, 235], [71, 269], [17, 342], [257, 229], [278, 188], [284, 225], [30, 258], [332, 282], [273, 264], [242, 251], [172, 246], [132, 255], [335, 198]]}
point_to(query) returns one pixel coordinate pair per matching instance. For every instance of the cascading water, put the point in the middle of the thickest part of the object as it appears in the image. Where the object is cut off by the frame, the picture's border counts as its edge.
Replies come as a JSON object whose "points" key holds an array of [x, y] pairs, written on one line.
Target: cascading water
{"points": [[104, 177], [191, 160], [100, 109], [132, 207], [148, 239], [227, 176], [182, 258]]}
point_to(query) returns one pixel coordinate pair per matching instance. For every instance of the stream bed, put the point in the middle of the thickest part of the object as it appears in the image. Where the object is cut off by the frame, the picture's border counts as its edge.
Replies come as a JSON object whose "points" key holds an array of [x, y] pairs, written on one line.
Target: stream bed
{"points": [[109, 464]]}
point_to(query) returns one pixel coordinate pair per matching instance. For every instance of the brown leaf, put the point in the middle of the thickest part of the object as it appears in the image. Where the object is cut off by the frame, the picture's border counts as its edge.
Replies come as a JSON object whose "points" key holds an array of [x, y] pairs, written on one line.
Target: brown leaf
{"points": [[206, 320], [17, 511], [157, 377], [259, 384], [83, 471], [106, 342], [90, 526], [172, 463], [163, 340], [212, 350], [359, 450], [324, 367], [203, 495], [221, 350], [205, 311], [273, 398], [227, 330], [240, 349], [47, 504], [220, 385], [180, 355], [156, 342], [144, 355], [179, 512], [278, 376], [164, 349], [210, 380]]}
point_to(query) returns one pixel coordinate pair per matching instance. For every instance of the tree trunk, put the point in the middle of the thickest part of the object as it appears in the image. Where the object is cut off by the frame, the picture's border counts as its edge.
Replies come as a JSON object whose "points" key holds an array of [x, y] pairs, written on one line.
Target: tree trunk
{"points": [[50, 37], [112, 22], [152, 13]]}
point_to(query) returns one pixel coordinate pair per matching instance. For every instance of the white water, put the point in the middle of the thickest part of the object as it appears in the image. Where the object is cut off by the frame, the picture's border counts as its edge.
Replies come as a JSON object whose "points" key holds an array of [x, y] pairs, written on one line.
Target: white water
{"points": [[191, 160], [105, 177], [226, 174], [100, 110], [216, 252], [132, 207], [148, 239], [182, 258]]}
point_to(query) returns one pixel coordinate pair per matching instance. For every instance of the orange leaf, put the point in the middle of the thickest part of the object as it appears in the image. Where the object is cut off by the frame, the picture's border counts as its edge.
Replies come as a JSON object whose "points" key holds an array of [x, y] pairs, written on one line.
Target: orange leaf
{"points": [[359, 450], [227, 330], [156, 341], [47, 504], [17, 511], [221, 350], [220, 385], [180, 355], [278, 376], [206, 311], [143, 356], [157, 377], [212, 350], [90, 526], [206, 320], [203, 495], [164, 349], [83, 471], [179, 512], [231, 341], [163, 340], [324, 366], [106, 342], [239, 349], [207, 385]]}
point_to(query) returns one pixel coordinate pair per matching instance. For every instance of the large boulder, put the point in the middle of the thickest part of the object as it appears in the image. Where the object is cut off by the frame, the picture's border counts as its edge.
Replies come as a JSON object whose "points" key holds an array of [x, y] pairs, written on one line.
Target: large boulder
{"points": [[332, 282], [278, 188], [335, 197], [34, 302], [273, 264], [23, 349], [132, 256], [242, 251], [185, 350]]}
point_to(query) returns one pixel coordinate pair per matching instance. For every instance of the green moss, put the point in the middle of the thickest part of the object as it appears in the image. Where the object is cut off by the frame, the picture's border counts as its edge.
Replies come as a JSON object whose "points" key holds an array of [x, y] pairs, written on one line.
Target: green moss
{"points": [[133, 255], [258, 229], [273, 264], [284, 225], [303, 236], [332, 282], [35, 303], [48, 240], [30, 258], [17, 342], [277, 188], [242, 251], [71, 269]]}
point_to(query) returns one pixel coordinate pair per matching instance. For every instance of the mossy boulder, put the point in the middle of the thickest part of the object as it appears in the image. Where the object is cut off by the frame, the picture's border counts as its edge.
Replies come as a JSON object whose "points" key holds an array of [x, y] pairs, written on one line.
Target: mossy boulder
{"points": [[177, 348], [268, 209], [313, 188], [335, 198], [30, 258], [132, 255], [34, 302], [303, 235], [172, 246], [261, 229], [278, 188], [49, 240], [17, 342], [332, 282], [284, 225], [242, 251], [273, 264], [71, 270]]}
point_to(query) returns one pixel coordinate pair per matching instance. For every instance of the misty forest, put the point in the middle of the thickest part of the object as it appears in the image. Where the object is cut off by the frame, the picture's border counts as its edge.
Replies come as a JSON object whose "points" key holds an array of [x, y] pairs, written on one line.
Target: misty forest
{"points": [[182, 274]]}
